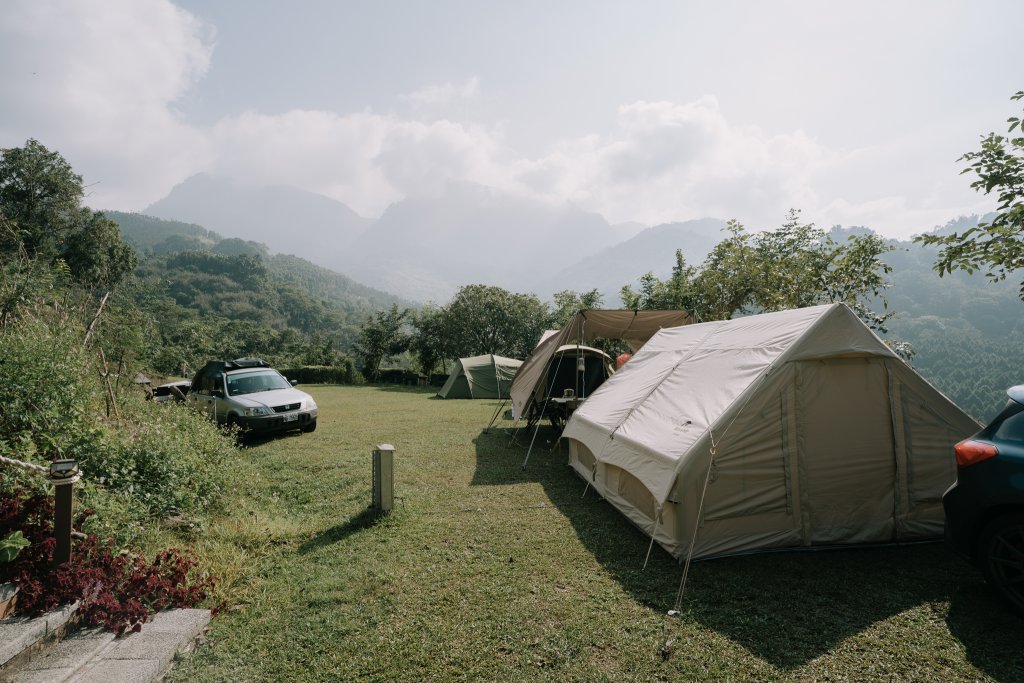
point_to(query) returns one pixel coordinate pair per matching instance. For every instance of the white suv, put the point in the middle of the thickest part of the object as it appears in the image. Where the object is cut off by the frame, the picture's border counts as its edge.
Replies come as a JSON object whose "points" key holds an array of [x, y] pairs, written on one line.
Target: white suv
{"points": [[249, 393]]}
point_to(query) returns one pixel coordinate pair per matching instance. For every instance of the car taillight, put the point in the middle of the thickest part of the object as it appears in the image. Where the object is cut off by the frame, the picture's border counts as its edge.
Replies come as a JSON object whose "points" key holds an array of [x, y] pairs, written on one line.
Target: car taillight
{"points": [[971, 452]]}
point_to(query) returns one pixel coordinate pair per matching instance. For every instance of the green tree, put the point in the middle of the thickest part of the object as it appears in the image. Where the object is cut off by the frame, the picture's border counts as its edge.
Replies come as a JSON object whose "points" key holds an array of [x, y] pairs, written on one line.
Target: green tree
{"points": [[40, 194], [567, 302], [429, 341], [996, 247], [95, 252], [380, 337], [40, 198], [484, 319], [795, 266]]}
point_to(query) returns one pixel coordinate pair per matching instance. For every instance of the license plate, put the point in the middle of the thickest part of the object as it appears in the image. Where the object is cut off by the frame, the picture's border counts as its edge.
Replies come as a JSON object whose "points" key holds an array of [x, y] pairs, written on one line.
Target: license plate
{"points": [[291, 418]]}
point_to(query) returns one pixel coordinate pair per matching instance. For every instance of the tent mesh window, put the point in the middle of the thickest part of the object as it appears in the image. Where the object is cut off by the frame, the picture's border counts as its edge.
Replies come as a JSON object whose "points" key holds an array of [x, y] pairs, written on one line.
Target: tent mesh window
{"points": [[632, 490], [584, 456]]}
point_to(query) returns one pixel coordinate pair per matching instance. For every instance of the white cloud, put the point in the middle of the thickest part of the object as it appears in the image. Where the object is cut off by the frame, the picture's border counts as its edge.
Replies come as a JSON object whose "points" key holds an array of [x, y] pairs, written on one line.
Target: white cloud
{"points": [[100, 80], [97, 80], [444, 94], [672, 161]]}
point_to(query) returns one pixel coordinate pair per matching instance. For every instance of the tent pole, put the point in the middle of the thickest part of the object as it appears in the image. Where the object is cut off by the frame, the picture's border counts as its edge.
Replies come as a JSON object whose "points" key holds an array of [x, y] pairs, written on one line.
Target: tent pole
{"points": [[696, 525], [530, 449], [495, 416], [551, 386], [654, 531]]}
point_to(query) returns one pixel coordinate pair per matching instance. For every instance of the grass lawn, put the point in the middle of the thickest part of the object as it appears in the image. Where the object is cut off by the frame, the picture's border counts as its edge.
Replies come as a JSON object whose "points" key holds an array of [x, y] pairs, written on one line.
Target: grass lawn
{"points": [[486, 571]]}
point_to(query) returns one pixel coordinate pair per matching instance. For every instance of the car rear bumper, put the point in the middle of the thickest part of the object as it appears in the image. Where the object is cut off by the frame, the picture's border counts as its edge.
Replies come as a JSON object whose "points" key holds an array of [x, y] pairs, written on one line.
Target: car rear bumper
{"points": [[961, 513]]}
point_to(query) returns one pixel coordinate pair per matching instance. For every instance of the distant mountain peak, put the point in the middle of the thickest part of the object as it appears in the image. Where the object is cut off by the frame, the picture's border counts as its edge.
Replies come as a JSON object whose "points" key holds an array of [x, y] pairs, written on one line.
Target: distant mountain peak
{"points": [[287, 219]]}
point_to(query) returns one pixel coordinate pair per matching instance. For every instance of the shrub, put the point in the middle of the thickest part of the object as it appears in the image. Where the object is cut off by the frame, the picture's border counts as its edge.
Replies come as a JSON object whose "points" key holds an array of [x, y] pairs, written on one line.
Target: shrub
{"points": [[162, 458], [322, 374], [165, 456], [398, 376], [12, 544], [117, 590], [47, 391]]}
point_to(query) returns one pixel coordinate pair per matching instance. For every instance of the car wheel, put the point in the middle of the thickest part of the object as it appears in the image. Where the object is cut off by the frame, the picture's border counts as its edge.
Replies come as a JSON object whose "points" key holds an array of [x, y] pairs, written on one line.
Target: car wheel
{"points": [[1001, 556], [311, 427]]}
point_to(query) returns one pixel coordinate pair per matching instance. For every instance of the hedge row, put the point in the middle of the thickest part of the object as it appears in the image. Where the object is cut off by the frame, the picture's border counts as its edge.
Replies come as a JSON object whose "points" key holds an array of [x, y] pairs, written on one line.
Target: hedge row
{"points": [[323, 374]]}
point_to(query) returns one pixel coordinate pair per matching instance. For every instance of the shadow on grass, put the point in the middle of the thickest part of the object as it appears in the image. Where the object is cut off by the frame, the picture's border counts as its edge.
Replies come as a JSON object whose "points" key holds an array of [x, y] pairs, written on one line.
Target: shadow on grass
{"points": [[364, 520], [787, 608]]}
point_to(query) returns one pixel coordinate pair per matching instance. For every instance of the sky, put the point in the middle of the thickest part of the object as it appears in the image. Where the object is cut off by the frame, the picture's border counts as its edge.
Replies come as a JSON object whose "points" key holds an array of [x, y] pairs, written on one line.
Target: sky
{"points": [[649, 111]]}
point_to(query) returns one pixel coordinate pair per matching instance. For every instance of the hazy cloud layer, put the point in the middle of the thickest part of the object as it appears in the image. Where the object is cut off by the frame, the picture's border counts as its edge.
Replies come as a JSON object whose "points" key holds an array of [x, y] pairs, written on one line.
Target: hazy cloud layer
{"points": [[101, 82], [98, 81]]}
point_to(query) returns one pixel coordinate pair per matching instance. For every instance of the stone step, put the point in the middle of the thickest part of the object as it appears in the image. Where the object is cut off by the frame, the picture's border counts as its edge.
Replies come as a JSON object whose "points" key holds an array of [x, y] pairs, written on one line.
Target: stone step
{"points": [[95, 656], [64, 659], [20, 635]]}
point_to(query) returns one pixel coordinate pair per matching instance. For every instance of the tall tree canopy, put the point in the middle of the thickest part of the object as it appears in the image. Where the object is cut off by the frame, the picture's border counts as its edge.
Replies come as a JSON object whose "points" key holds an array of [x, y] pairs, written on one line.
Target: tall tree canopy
{"points": [[40, 197], [483, 319], [795, 266], [997, 247], [382, 336]]}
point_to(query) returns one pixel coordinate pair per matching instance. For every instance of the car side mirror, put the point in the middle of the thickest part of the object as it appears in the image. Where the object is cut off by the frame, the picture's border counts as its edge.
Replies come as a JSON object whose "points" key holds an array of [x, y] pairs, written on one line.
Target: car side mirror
{"points": [[219, 393], [294, 381]]}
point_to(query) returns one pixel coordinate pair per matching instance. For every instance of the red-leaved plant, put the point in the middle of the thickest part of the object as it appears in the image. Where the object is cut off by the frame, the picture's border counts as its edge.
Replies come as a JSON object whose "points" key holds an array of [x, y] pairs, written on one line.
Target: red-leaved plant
{"points": [[117, 590]]}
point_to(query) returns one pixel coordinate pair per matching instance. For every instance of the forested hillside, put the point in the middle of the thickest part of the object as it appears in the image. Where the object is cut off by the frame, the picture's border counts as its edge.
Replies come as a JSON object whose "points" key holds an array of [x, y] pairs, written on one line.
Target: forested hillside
{"points": [[966, 330], [206, 296], [225, 294], [150, 234]]}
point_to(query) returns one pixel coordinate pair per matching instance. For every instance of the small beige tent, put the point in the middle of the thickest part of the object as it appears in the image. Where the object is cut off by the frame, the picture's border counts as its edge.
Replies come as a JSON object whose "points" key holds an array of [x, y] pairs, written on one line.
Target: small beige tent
{"points": [[486, 376], [797, 428], [633, 327]]}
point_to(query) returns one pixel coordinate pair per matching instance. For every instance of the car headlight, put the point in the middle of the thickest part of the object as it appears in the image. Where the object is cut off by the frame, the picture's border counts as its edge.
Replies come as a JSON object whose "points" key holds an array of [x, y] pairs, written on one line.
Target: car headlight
{"points": [[260, 410], [309, 404]]}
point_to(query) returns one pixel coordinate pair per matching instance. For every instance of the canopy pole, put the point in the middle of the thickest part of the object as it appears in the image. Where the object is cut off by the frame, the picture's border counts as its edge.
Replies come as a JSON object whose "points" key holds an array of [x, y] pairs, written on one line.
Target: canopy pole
{"points": [[495, 416], [551, 385], [530, 449]]}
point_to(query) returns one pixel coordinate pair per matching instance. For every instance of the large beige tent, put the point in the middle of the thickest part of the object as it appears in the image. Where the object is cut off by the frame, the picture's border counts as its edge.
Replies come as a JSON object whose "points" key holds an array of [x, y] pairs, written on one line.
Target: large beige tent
{"points": [[633, 327], [797, 428], [486, 376]]}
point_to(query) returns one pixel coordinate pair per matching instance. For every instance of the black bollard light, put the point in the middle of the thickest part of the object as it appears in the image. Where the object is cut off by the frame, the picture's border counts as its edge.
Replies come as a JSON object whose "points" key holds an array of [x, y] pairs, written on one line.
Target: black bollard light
{"points": [[63, 475]]}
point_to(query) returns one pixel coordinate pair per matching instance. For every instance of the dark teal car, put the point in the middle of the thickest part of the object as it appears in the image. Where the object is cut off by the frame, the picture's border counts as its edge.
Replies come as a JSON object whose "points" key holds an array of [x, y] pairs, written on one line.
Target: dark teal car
{"points": [[985, 507]]}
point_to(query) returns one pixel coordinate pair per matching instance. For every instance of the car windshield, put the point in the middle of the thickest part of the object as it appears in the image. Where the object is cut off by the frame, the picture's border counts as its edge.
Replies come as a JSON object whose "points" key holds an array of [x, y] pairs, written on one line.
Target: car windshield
{"points": [[254, 382]]}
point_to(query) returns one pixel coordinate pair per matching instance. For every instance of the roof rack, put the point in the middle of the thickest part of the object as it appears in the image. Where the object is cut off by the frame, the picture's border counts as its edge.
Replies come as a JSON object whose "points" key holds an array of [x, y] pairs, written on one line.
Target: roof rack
{"points": [[238, 363], [247, 363]]}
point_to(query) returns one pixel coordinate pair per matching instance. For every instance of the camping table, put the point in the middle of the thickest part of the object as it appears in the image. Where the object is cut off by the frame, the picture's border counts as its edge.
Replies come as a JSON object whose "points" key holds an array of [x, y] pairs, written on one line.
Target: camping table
{"points": [[563, 408]]}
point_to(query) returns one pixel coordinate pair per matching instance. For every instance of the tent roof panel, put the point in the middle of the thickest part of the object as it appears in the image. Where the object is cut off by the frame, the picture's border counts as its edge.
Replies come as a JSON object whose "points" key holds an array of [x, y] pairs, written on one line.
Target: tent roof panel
{"points": [[634, 327], [686, 380]]}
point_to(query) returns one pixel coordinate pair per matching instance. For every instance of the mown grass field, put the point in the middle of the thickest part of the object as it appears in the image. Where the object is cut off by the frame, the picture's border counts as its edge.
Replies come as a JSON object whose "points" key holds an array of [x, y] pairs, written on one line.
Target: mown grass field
{"points": [[486, 571]]}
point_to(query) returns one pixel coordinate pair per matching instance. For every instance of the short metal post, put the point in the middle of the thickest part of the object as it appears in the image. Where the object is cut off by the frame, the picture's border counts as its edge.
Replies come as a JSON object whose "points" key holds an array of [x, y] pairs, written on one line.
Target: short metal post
{"points": [[63, 475], [384, 477]]}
